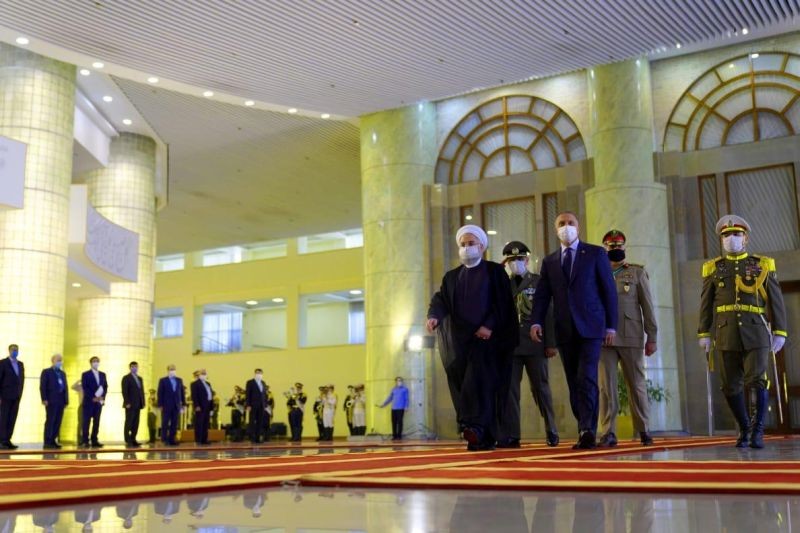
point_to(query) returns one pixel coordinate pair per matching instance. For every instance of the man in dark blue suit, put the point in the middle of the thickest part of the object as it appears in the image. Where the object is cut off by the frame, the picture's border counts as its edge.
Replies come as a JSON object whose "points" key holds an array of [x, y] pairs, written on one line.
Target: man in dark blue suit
{"points": [[55, 397], [577, 278], [171, 400], [95, 388], [12, 380], [133, 402], [202, 401]]}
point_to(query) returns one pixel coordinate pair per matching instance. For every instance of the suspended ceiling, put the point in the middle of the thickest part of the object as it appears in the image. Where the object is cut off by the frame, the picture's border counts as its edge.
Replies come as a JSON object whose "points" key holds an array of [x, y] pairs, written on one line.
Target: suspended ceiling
{"points": [[241, 174]]}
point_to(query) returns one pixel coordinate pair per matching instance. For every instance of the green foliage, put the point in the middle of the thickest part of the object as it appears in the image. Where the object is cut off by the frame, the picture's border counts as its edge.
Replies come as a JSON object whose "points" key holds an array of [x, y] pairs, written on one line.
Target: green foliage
{"points": [[655, 393]]}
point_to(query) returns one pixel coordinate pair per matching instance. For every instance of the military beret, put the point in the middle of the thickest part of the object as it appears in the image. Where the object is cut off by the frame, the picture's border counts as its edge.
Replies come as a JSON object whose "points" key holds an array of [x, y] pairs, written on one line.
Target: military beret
{"points": [[515, 249], [614, 236], [729, 223]]}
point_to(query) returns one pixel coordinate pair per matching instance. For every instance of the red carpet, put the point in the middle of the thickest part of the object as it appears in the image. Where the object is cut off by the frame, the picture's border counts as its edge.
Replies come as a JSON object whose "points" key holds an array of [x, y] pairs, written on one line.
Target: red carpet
{"points": [[533, 467]]}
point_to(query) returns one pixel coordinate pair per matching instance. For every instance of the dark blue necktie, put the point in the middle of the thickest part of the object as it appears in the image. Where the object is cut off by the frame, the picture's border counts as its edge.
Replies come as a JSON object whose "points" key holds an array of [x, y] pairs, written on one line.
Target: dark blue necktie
{"points": [[566, 264]]}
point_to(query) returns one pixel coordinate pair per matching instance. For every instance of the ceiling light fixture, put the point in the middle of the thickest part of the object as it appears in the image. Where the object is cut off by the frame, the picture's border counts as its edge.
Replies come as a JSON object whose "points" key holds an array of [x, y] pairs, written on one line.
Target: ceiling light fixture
{"points": [[127, 121], [251, 302], [249, 103], [76, 285], [730, 65], [208, 94], [325, 115], [98, 65], [85, 72], [292, 110], [745, 31], [468, 217], [23, 40], [108, 99], [356, 292], [152, 79], [278, 300], [491, 232], [678, 45], [754, 56]]}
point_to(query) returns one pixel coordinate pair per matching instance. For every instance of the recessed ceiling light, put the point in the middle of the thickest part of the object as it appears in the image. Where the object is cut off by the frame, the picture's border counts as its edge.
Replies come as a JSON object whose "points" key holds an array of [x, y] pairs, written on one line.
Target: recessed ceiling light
{"points": [[754, 56], [76, 285], [468, 217], [677, 45], [278, 300], [491, 232], [208, 94], [249, 103], [292, 110], [127, 121], [152, 79], [98, 65], [108, 98], [356, 292], [730, 65], [22, 40], [85, 72], [745, 31], [325, 115], [251, 302]]}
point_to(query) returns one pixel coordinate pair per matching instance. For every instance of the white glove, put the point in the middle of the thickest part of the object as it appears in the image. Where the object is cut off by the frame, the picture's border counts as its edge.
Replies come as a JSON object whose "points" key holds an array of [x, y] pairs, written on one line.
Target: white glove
{"points": [[705, 343], [777, 343]]}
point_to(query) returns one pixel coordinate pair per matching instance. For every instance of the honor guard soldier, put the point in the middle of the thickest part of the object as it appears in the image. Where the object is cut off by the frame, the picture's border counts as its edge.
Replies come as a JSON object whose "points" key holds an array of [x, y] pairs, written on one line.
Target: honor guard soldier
{"points": [[349, 404], [296, 405], [319, 405], [743, 317], [635, 339], [532, 357]]}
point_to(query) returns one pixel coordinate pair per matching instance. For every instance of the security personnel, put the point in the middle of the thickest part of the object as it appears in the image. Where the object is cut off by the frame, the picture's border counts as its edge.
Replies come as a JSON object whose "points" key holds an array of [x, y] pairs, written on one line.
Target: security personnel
{"points": [[743, 317], [530, 356], [637, 320]]}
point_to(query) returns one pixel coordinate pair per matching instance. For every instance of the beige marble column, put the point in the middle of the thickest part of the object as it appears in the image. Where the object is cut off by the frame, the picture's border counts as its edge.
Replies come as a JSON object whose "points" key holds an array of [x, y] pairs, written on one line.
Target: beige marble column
{"points": [[117, 328], [398, 154], [626, 196], [37, 102]]}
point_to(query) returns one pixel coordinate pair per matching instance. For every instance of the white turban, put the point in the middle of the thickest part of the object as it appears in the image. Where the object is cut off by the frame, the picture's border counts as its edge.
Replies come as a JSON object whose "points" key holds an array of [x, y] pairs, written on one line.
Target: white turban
{"points": [[474, 230]]}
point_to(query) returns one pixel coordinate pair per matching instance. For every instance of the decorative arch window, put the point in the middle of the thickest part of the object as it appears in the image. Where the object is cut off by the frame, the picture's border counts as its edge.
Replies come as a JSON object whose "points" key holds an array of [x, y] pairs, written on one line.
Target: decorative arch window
{"points": [[509, 135], [748, 98]]}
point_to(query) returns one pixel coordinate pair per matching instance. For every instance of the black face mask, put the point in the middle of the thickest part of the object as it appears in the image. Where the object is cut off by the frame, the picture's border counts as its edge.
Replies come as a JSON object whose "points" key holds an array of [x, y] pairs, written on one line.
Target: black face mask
{"points": [[616, 255]]}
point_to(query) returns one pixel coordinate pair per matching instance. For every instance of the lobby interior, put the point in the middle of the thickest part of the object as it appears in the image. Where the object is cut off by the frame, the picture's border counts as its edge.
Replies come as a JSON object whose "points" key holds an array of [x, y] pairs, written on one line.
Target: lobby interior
{"points": [[276, 185]]}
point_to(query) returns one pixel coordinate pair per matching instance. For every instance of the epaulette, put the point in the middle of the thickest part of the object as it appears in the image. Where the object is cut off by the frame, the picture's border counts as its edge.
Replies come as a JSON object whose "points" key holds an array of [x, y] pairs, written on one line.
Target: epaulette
{"points": [[635, 265], [709, 267], [767, 263]]}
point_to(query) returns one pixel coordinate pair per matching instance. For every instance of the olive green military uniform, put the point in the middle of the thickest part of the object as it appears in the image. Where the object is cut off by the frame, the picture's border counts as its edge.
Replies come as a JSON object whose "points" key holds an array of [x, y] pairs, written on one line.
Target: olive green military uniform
{"points": [[636, 319], [741, 307]]}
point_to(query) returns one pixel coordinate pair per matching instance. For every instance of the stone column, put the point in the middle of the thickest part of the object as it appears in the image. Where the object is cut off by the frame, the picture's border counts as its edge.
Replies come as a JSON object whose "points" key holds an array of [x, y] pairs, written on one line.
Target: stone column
{"points": [[37, 103], [398, 155], [626, 196], [117, 328]]}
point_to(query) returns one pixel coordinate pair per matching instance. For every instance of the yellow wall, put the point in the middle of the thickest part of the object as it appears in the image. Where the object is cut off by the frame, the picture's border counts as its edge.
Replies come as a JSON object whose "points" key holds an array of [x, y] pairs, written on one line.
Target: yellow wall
{"points": [[289, 278]]}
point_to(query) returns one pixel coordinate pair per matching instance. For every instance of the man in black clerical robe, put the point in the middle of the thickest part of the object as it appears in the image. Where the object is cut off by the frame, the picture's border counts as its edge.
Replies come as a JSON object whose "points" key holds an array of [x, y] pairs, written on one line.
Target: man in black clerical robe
{"points": [[477, 324]]}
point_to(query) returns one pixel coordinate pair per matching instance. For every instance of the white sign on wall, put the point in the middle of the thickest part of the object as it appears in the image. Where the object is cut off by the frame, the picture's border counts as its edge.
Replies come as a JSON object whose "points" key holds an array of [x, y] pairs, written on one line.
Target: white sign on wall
{"points": [[12, 173]]}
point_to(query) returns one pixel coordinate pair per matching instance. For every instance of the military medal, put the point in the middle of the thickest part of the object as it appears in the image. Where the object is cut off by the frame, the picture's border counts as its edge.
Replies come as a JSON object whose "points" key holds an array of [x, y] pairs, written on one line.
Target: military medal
{"points": [[627, 287]]}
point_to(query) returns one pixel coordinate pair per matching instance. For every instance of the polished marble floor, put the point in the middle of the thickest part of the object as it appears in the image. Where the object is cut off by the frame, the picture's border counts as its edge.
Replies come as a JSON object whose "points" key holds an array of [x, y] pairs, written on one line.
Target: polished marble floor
{"points": [[298, 509]]}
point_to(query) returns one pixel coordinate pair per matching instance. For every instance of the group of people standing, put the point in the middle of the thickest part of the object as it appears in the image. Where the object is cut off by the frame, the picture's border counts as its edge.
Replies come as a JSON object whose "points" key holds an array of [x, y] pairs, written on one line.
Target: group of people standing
{"points": [[495, 320]]}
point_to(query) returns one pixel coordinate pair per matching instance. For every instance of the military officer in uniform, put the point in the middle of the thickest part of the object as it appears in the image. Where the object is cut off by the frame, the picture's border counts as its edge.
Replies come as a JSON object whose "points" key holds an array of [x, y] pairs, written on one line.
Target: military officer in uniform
{"points": [[531, 356], [743, 317], [637, 321]]}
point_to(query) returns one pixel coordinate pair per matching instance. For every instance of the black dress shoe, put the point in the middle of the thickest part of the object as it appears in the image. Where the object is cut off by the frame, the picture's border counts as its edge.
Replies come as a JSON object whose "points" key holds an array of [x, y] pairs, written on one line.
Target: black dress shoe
{"points": [[645, 438], [473, 436], [51, 447], [552, 439], [11, 446], [609, 440], [585, 442], [97, 444], [508, 443], [83, 445]]}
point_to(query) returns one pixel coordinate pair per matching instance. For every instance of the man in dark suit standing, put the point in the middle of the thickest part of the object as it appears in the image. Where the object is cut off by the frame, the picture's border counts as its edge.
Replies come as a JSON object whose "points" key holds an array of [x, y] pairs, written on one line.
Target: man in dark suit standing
{"points": [[202, 396], [12, 379], [172, 401], [577, 278], [95, 388], [256, 404], [133, 402], [55, 397]]}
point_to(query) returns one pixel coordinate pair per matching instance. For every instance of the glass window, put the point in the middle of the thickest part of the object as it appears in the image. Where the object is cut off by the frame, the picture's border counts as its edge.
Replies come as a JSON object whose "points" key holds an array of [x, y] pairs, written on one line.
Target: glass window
{"points": [[324, 242], [168, 323], [168, 263], [332, 318], [221, 256], [264, 250], [243, 326], [506, 221]]}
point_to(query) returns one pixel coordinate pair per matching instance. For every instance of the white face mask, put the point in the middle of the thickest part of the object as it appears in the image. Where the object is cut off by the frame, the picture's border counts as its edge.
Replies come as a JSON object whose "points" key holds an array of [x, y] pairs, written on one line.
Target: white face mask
{"points": [[517, 268], [258, 377], [733, 243], [203, 377], [567, 234], [470, 255], [96, 365], [171, 373]]}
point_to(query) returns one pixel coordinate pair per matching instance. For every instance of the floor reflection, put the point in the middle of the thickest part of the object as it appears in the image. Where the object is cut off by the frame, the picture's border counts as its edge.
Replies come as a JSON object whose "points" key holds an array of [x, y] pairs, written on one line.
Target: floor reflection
{"points": [[306, 510]]}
